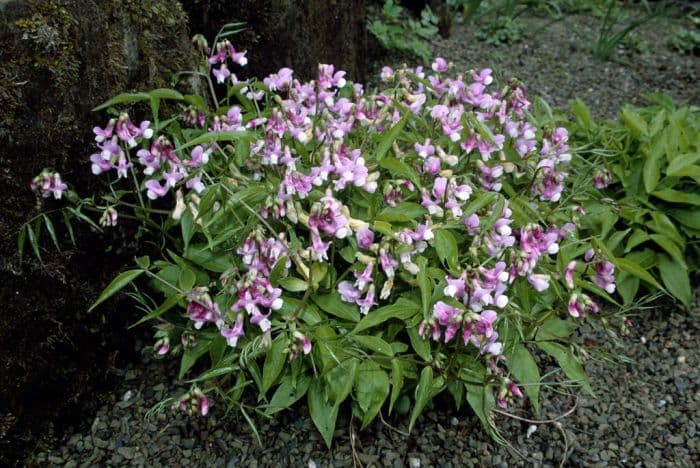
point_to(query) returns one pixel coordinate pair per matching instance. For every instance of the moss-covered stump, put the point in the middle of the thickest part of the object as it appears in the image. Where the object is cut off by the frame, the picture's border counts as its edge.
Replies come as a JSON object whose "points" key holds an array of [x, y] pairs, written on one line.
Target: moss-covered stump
{"points": [[59, 59], [298, 34]]}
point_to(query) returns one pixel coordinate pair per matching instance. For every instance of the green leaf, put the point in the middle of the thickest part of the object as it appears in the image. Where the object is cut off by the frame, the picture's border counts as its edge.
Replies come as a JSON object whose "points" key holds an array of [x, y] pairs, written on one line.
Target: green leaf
{"points": [[293, 284], [568, 363], [124, 98], [663, 225], [687, 217], [333, 304], [633, 121], [425, 284], [187, 279], [680, 163], [420, 346], [446, 248], [675, 278], [197, 101], [422, 395], [402, 309], [323, 414], [21, 239], [69, 226], [318, 273], [166, 93], [212, 260], [307, 312], [389, 137], [396, 382], [287, 393], [635, 269], [187, 227], [554, 328], [211, 137], [399, 169], [371, 389], [52, 231], [456, 389], [274, 362], [217, 348], [482, 402], [340, 380], [651, 173], [373, 343], [213, 373], [670, 247], [627, 286], [402, 212], [676, 196], [190, 357], [116, 285], [583, 115], [143, 261], [484, 199], [34, 242], [168, 304], [637, 237], [523, 366]]}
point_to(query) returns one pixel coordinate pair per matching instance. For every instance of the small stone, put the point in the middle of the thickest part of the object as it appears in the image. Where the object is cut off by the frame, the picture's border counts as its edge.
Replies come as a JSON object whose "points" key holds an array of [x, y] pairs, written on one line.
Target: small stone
{"points": [[56, 460], [99, 443], [675, 440], [680, 359], [414, 462], [188, 443], [126, 452]]}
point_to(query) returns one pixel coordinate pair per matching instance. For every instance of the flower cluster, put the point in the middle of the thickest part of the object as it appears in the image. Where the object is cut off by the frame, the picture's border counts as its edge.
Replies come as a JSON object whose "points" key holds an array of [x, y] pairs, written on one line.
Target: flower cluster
{"points": [[49, 183], [320, 197]]}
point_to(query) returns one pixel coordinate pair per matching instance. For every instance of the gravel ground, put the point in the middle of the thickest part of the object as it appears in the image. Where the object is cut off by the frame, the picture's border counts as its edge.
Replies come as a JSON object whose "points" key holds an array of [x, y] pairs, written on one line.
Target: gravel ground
{"points": [[648, 407], [647, 414]]}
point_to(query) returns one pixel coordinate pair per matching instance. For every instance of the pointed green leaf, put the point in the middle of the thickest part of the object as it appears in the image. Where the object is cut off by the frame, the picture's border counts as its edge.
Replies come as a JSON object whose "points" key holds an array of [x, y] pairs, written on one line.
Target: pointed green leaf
{"points": [[293, 284], [422, 395], [371, 389], [274, 362], [373, 343], [635, 269], [524, 368], [116, 285], [396, 382], [675, 278], [402, 309], [124, 98], [482, 402], [420, 346], [168, 304], [340, 380], [323, 414], [568, 363], [676, 196], [52, 231], [670, 247], [425, 284], [287, 393], [389, 137], [333, 304], [446, 248]]}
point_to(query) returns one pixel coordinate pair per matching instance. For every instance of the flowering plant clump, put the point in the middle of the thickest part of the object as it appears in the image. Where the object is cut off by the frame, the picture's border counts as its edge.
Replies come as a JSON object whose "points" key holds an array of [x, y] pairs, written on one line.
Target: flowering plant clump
{"points": [[332, 243]]}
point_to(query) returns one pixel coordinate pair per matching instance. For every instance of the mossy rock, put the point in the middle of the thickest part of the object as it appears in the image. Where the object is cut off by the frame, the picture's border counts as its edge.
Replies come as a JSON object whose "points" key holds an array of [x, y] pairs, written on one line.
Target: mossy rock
{"points": [[298, 34], [60, 58]]}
